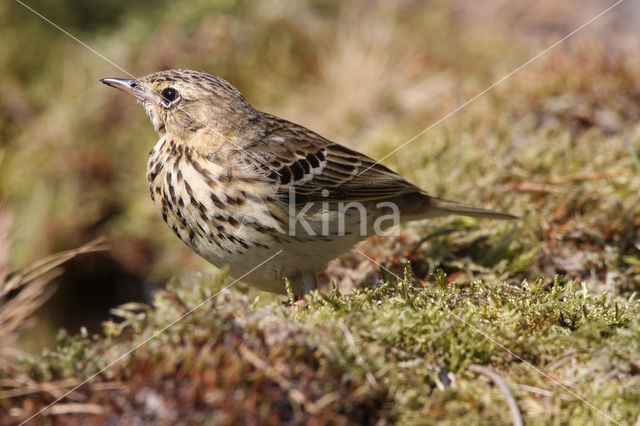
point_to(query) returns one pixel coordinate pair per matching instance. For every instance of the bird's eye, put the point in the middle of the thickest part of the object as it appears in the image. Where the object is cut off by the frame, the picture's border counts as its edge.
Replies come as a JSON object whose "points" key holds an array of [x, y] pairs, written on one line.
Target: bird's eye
{"points": [[170, 94]]}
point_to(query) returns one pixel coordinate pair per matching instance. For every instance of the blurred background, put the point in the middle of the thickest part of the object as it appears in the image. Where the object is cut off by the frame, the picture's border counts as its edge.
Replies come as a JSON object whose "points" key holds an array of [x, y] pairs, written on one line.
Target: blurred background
{"points": [[369, 74]]}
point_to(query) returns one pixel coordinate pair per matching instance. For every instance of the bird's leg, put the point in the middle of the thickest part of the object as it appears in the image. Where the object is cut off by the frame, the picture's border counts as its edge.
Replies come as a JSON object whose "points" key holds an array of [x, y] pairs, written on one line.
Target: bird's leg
{"points": [[309, 283]]}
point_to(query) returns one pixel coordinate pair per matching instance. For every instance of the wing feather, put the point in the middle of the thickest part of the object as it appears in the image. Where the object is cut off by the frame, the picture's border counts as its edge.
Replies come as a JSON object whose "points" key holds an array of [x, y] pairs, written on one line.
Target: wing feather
{"points": [[320, 170]]}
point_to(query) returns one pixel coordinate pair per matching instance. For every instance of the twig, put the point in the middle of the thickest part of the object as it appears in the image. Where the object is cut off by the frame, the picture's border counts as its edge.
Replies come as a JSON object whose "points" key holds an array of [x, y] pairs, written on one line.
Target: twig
{"points": [[516, 415], [534, 389], [557, 180], [443, 231], [74, 408], [528, 186], [547, 185], [347, 334], [18, 388]]}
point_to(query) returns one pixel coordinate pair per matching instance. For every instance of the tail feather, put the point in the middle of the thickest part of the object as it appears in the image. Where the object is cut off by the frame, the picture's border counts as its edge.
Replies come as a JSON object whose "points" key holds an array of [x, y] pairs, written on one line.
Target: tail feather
{"points": [[439, 207]]}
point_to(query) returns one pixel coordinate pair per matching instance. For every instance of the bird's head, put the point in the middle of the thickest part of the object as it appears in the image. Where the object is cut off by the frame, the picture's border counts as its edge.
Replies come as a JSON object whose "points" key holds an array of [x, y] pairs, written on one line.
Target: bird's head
{"points": [[183, 102]]}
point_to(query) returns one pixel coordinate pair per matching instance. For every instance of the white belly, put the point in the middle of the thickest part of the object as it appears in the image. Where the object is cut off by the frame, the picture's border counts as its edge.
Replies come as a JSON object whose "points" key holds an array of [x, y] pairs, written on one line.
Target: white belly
{"points": [[231, 225]]}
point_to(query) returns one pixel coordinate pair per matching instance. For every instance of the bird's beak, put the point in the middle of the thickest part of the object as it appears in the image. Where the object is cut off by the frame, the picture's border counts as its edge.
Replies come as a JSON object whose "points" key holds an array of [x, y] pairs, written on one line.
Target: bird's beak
{"points": [[130, 86]]}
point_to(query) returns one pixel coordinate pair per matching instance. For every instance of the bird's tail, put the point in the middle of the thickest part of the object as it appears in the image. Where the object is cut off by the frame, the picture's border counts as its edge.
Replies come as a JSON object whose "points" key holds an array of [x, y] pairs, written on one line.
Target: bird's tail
{"points": [[439, 207]]}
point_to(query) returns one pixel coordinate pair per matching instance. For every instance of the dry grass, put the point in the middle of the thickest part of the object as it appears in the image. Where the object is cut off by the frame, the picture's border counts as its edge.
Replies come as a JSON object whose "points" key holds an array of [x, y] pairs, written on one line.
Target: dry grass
{"points": [[23, 292]]}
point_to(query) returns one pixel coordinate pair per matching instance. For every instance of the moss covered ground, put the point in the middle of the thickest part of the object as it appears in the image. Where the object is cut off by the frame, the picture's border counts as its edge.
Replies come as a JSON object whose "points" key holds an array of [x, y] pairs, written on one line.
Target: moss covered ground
{"points": [[453, 321]]}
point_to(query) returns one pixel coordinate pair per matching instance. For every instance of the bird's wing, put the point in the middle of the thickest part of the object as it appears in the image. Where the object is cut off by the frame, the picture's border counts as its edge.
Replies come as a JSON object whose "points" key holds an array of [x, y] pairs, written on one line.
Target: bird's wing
{"points": [[316, 169]]}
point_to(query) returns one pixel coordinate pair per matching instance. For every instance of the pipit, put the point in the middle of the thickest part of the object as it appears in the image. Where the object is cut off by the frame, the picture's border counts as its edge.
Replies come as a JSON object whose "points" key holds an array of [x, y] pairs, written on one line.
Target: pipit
{"points": [[238, 185]]}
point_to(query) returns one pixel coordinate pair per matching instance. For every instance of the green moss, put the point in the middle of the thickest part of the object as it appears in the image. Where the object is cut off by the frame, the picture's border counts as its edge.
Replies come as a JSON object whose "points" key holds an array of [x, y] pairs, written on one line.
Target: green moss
{"points": [[382, 352]]}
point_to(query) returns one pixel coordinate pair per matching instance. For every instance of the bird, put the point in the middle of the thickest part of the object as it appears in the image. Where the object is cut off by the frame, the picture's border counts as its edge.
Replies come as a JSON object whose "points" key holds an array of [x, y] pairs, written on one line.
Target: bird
{"points": [[268, 198]]}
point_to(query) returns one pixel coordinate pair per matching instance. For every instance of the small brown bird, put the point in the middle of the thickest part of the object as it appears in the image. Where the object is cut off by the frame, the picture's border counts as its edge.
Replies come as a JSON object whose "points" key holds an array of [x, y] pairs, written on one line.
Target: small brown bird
{"points": [[238, 185]]}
